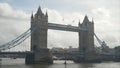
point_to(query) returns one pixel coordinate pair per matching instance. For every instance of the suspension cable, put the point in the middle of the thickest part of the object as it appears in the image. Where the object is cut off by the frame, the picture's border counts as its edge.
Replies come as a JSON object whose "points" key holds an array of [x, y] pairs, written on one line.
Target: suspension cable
{"points": [[17, 40]]}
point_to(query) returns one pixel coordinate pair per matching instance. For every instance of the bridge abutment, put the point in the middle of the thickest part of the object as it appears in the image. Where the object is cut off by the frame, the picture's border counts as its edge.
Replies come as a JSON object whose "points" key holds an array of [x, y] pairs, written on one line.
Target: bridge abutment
{"points": [[42, 56]]}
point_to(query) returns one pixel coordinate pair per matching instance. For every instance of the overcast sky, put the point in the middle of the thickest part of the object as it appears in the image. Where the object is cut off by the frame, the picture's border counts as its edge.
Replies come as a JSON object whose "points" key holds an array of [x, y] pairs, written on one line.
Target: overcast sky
{"points": [[15, 19]]}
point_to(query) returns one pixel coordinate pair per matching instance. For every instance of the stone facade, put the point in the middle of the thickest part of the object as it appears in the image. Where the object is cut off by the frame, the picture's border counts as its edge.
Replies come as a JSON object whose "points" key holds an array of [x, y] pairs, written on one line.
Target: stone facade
{"points": [[39, 28], [86, 38], [39, 24]]}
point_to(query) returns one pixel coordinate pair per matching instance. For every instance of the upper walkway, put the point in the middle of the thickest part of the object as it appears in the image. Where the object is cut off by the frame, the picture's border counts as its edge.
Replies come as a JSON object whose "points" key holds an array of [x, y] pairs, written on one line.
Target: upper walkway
{"points": [[65, 27]]}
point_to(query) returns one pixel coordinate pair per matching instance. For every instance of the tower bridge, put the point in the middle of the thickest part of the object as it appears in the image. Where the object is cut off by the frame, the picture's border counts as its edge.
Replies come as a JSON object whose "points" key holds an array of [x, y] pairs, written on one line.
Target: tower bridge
{"points": [[38, 32], [39, 37]]}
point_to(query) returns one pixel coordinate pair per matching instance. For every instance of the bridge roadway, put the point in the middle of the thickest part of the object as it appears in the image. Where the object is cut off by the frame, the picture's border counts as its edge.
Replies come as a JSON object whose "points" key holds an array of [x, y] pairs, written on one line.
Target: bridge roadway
{"points": [[65, 27], [28, 52], [14, 54]]}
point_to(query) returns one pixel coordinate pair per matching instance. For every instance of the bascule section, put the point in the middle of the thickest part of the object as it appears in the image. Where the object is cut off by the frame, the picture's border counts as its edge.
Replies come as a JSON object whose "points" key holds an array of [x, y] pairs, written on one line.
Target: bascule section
{"points": [[39, 28]]}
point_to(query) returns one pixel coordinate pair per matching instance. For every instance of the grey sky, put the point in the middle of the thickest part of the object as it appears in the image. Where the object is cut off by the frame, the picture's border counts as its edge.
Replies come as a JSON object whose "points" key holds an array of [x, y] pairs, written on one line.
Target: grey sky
{"points": [[15, 19]]}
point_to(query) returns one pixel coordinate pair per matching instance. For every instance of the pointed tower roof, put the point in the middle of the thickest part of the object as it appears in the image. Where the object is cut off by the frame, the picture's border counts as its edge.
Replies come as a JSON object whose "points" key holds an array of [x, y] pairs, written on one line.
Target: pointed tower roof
{"points": [[85, 19], [92, 20], [39, 10], [79, 23], [32, 15], [46, 14]]}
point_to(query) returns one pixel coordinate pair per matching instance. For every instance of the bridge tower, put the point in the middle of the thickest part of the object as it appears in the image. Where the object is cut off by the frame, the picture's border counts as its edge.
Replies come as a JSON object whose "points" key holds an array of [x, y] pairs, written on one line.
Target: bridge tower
{"points": [[41, 54], [86, 38]]}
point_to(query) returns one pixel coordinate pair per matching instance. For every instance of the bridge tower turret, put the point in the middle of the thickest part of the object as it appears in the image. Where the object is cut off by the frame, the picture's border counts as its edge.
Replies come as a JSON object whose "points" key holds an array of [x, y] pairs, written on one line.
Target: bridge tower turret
{"points": [[39, 28], [86, 38]]}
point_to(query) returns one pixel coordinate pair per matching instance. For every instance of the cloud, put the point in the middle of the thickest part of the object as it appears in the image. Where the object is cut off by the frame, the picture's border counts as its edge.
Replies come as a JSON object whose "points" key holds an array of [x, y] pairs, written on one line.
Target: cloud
{"points": [[104, 26], [101, 12], [13, 22], [64, 17], [62, 38], [6, 11]]}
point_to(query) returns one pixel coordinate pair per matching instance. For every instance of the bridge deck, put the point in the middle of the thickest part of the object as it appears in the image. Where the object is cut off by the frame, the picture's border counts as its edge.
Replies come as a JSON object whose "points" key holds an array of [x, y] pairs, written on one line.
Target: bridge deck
{"points": [[16, 52]]}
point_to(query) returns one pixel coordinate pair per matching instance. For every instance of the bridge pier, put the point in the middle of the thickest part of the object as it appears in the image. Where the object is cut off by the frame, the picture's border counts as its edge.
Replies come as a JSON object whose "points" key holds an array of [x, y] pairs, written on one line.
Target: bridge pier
{"points": [[29, 59], [42, 56]]}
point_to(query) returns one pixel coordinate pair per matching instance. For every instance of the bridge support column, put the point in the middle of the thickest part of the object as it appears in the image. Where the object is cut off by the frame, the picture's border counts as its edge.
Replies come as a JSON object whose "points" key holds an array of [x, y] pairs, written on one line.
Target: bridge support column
{"points": [[42, 56], [86, 41], [29, 59], [86, 38], [39, 27]]}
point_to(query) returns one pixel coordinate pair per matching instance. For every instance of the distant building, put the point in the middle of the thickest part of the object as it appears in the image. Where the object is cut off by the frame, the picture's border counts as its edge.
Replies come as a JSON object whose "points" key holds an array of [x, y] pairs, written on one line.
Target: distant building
{"points": [[61, 50], [57, 49], [70, 49]]}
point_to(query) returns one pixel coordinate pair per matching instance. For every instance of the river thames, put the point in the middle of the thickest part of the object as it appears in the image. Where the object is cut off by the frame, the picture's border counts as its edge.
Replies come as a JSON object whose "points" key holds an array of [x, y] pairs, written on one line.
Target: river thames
{"points": [[20, 63]]}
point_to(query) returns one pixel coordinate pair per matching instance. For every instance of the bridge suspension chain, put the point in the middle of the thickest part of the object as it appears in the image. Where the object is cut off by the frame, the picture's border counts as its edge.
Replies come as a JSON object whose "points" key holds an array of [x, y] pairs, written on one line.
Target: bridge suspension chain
{"points": [[16, 41], [104, 49], [99, 41], [102, 43]]}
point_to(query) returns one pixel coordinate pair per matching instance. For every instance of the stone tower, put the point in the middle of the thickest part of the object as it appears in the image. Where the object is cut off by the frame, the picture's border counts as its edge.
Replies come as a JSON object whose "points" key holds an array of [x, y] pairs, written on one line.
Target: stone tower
{"points": [[39, 24], [86, 38], [41, 54]]}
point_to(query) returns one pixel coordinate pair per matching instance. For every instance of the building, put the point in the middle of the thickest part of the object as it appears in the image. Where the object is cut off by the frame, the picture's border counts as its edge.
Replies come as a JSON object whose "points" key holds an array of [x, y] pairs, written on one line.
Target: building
{"points": [[86, 38]]}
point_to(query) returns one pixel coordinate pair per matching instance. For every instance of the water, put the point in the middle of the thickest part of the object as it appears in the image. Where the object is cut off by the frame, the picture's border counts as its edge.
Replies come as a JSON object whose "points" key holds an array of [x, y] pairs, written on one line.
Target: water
{"points": [[20, 63]]}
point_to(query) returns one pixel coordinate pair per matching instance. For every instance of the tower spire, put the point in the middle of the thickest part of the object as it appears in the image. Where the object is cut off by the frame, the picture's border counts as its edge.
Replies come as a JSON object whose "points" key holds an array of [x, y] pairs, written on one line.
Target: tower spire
{"points": [[86, 20], [92, 20], [39, 10], [46, 14], [32, 15], [79, 22]]}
